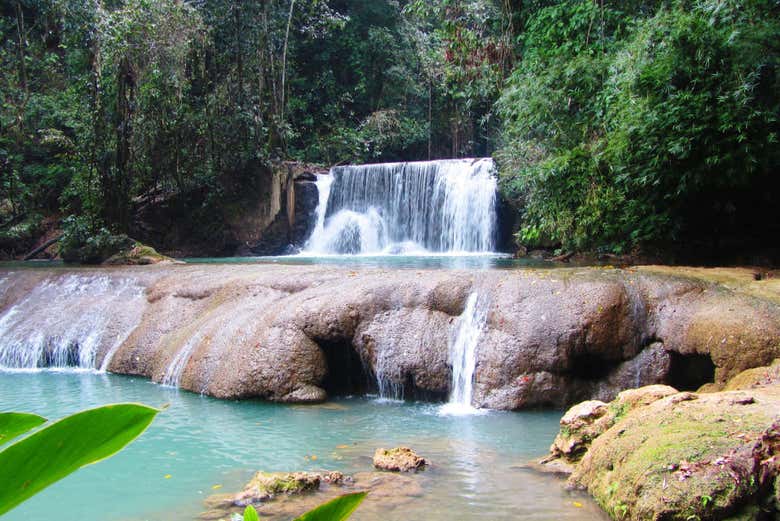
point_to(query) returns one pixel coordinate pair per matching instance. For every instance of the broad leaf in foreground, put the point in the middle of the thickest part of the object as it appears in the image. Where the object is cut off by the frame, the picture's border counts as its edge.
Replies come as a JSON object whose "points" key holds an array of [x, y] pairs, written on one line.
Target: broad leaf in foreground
{"points": [[48, 455], [335, 510], [12, 424]]}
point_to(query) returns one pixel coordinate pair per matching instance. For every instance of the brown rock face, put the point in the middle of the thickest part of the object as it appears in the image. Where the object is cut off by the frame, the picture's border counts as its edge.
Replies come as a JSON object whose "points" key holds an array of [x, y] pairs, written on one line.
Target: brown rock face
{"points": [[399, 459], [298, 333]]}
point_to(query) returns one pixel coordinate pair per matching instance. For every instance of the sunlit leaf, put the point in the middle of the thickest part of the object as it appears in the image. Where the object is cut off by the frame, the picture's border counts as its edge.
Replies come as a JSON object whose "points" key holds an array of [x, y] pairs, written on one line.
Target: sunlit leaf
{"points": [[336, 510], [250, 514], [35, 462], [12, 424]]}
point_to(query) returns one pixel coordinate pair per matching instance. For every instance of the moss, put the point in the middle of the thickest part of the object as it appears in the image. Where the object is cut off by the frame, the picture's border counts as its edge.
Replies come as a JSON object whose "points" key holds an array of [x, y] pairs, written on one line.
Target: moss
{"points": [[269, 484], [661, 461], [138, 254], [756, 377]]}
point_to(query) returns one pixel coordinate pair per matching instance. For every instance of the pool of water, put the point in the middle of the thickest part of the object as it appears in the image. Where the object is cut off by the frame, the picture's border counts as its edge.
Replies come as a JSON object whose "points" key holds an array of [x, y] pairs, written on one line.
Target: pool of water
{"points": [[199, 446]]}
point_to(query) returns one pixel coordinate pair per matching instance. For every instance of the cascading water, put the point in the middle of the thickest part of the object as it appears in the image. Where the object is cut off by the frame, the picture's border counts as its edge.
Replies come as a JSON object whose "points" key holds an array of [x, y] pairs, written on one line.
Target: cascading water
{"points": [[70, 322], [446, 206], [463, 354], [218, 325]]}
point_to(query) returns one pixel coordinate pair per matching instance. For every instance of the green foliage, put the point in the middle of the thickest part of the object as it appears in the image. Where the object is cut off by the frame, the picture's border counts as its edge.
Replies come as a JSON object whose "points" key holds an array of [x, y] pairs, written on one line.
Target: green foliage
{"points": [[642, 124], [13, 424], [85, 243], [250, 514], [51, 453]]}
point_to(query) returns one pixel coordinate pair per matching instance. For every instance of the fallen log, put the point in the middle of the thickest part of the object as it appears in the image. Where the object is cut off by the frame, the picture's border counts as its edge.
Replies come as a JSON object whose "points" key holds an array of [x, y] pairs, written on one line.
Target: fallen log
{"points": [[42, 247]]}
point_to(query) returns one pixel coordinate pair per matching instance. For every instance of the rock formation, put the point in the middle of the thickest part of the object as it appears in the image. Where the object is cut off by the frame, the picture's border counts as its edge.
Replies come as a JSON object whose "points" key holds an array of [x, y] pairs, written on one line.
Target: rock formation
{"points": [[298, 333]]}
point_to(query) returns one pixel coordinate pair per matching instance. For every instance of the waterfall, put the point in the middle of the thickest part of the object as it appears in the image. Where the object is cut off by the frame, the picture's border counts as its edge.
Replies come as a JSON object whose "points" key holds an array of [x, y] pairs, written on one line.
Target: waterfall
{"points": [[463, 354], [446, 206], [69, 322]]}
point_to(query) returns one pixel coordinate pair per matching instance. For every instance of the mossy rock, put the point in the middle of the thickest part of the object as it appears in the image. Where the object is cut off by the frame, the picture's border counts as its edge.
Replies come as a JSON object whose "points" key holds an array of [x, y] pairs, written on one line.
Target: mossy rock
{"points": [[266, 485], [399, 459], [585, 421], [757, 377], [686, 457], [139, 254]]}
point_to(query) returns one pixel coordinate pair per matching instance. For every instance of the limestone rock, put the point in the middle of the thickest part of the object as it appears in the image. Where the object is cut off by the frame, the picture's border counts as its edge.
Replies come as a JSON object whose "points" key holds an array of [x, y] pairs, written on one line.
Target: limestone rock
{"points": [[632, 398], [579, 426], [552, 337], [756, 377], [399, 459], [305, 394]]}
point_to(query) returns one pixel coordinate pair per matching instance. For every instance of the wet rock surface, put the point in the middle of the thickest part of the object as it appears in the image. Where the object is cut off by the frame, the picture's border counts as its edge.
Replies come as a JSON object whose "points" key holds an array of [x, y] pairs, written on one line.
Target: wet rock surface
{"points": [[552, 337]]}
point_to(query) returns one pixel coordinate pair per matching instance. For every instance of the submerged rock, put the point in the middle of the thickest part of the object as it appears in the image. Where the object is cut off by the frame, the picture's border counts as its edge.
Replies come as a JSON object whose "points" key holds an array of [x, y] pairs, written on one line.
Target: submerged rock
{"points": [[677, 456], [399, 459]]}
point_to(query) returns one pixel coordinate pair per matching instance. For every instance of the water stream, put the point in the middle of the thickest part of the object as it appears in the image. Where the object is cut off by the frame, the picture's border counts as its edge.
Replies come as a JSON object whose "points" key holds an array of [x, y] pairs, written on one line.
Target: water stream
{"points": [[463, 354]]}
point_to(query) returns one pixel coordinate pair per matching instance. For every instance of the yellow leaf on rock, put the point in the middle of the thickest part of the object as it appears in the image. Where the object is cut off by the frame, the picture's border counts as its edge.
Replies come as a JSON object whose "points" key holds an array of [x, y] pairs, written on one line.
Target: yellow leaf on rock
{"points": [[577, 504], [216, 487]]}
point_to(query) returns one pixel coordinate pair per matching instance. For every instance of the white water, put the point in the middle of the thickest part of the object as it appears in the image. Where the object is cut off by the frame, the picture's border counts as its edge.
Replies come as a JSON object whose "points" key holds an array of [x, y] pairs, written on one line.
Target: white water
{"points": [[69, 322], [446, 206], [463, 354]]}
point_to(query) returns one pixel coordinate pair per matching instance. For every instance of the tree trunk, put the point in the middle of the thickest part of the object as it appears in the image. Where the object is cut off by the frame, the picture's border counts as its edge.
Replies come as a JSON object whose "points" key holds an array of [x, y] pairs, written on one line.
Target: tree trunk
{"points": [[123, 179]]}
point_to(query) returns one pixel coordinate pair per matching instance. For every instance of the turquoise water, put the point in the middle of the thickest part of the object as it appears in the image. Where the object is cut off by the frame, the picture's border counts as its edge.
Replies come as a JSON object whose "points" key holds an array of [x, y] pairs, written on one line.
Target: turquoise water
{"points": [[475, 261], [200, 445]]}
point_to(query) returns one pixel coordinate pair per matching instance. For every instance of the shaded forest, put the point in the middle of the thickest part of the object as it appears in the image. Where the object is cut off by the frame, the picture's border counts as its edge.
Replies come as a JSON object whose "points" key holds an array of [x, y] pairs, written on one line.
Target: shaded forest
{"points": [[617, 127]]}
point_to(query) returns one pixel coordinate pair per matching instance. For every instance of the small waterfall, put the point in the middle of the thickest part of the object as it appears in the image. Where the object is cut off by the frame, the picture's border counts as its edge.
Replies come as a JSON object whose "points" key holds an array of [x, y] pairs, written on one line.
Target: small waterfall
{"points": [[446, 206], [69, 321], [219, 325], [463, 354], [173, 372], [389, 390]]}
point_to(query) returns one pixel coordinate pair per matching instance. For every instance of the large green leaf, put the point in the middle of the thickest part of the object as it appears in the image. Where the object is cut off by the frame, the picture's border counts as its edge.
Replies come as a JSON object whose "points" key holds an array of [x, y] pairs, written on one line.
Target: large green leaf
{"points": [[35, 462], [335, 510], [12, 424]]}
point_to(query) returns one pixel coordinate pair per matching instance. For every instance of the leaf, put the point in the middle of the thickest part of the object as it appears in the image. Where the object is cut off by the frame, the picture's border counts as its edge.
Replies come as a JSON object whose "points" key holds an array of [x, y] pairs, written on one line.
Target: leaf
{"points": [[335, 510], [250, 514], [35, 462], [12, 424]]}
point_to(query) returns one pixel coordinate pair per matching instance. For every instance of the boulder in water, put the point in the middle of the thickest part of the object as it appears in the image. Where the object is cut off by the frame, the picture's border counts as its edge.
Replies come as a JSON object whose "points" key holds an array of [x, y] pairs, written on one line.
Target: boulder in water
{"points": [[399, 459]]}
